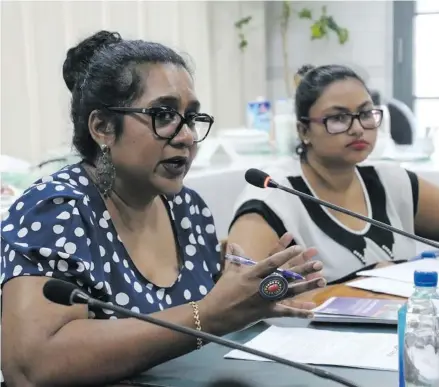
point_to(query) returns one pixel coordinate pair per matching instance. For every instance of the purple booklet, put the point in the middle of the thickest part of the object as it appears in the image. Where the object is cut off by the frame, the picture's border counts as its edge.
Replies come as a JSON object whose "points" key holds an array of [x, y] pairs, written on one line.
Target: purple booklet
{"points": [[360, 310]]}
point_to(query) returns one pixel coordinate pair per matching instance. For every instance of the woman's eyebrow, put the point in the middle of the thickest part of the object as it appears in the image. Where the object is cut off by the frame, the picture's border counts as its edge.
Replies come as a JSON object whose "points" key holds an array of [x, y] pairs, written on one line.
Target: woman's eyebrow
{"points": [[344, 109], [166, 100]]}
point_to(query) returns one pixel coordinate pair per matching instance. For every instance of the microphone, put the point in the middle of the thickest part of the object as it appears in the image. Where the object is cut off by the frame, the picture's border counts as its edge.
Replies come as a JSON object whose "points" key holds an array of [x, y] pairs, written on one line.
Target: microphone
{"points": [[261, 179], [65, 293]]}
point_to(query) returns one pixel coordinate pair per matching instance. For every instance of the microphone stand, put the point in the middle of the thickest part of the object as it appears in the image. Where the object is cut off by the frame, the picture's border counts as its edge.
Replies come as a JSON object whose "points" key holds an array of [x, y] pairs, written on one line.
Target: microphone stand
{"points": [[79, 297]]}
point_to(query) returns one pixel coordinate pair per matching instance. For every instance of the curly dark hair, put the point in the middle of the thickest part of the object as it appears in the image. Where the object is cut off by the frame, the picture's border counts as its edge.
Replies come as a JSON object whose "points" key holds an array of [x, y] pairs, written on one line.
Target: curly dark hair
{"points": [[101, 71]]}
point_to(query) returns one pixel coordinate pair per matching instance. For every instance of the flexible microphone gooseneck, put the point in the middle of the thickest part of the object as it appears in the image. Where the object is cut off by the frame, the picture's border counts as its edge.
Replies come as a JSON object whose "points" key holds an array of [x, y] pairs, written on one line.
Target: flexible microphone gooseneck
{"points": [[65, 293], [262, 180]]}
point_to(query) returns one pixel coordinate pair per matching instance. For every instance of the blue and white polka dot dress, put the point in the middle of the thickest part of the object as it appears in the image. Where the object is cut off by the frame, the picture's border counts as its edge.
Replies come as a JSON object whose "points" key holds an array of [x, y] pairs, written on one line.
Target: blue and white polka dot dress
{"points": [[60, 228]]}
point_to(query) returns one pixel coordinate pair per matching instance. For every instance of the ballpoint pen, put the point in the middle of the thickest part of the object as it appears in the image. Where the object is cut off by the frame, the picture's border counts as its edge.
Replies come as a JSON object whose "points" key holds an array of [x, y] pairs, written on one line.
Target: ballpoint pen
{"points": [[246, 261]]}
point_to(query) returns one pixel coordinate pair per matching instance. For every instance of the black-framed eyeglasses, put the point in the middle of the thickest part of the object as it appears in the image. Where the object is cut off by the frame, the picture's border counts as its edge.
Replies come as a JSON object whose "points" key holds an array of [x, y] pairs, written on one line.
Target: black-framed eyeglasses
{"points": [[167, 122], [342, 122]]}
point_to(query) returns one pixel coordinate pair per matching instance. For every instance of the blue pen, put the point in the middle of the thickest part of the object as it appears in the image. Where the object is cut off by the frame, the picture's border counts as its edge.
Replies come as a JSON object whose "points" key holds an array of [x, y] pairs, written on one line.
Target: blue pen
{"points": [[246, 261]]}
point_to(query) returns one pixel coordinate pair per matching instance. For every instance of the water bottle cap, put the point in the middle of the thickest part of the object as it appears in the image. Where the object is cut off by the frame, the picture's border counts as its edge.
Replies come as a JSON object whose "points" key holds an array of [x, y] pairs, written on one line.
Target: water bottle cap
{"points": [[426, 278], [428, 254]]}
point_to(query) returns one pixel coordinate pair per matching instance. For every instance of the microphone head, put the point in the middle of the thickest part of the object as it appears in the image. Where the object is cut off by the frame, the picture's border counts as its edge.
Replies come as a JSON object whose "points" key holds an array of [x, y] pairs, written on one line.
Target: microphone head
{"points": [[259, 179], [59, 292]]}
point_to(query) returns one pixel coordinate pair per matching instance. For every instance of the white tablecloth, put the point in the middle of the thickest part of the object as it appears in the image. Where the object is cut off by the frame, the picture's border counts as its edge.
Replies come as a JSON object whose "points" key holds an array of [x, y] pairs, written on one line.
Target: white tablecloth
{"points": [[220, 186]]}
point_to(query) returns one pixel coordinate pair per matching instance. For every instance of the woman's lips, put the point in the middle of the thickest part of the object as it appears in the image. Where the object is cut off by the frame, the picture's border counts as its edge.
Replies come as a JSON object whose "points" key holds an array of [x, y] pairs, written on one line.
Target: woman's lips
{"points": [[175, 166], [358, 145]]}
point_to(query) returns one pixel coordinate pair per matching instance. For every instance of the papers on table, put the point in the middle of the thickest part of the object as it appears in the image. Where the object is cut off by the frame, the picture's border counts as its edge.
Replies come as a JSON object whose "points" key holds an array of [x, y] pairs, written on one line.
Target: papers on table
{"points": [[397, 280], [404, 271], [323, 347], [384, 285]]}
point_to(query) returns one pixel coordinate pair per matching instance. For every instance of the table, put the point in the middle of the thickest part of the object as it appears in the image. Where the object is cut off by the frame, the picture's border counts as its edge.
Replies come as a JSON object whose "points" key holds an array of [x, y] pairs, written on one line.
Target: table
{"points": [[319, 296], [220, 185], [198, 368]]}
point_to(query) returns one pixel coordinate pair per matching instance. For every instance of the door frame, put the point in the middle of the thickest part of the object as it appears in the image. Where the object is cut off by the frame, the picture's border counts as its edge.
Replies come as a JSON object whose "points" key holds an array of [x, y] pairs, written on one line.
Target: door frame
{"points": [[404, 13]]}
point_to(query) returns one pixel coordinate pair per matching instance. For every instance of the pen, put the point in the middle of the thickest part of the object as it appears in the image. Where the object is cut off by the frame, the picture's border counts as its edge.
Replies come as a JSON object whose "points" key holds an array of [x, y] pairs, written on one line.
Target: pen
{"points": [[246, 261]]}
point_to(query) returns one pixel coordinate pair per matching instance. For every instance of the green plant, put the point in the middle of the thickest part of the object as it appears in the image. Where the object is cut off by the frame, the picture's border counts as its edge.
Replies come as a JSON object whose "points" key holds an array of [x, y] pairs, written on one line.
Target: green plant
{"points": [[239, 25], [319, 29], [323, 25]]}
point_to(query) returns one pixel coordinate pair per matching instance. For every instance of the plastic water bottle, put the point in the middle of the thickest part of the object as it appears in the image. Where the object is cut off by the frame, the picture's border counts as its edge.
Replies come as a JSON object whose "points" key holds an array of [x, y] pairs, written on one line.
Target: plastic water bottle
{"points": [[418, 334]]}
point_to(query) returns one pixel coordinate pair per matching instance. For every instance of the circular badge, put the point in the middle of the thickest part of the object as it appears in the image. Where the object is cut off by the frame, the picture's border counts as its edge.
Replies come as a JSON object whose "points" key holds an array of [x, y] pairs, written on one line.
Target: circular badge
{"points": [[273, 287]]}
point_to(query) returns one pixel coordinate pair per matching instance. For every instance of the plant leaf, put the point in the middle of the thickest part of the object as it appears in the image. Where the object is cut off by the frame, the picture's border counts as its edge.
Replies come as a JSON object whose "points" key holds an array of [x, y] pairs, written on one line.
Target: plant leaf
{"points": [[332, 25], [343, 35], [317, 32], [243, 21], [305, 13]]}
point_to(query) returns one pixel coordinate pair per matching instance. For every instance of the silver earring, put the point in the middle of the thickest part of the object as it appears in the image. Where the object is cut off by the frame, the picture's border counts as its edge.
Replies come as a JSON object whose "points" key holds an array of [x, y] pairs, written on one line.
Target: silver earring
{"points": [[105, 171]]}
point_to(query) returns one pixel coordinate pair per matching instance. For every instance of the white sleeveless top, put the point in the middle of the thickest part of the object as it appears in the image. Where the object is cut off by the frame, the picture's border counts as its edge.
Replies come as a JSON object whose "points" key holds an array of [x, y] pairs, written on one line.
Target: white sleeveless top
{"points": [[391, 195]]}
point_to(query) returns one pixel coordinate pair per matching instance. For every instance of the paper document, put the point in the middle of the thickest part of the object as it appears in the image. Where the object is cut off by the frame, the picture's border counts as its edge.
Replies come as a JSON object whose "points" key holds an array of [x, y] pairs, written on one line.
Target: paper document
{"points": [[404, 271], [314, 346], [384, 285]]}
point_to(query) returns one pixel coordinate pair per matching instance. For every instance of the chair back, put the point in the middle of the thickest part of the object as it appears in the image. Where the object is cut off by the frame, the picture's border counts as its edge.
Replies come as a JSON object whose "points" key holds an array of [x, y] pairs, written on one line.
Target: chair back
{"points": [[402, 122]]}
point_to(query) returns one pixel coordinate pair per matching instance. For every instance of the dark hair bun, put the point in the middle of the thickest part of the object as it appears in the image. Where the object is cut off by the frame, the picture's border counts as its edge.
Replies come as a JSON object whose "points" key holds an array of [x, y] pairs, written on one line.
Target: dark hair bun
{"points": [[78, 58], [300, 74], [303, 70]]}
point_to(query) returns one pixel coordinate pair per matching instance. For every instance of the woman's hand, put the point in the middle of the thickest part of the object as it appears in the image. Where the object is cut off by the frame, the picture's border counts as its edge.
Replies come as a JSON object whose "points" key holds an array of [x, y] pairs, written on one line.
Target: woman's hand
{"points": [[306, 256], [235, 300]]}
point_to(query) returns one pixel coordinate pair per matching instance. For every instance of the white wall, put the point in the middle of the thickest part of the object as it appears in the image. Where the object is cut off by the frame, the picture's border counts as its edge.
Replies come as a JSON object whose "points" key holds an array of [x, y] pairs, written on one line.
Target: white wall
{"points": [[36, 35], [238, 76], [369, 49]]}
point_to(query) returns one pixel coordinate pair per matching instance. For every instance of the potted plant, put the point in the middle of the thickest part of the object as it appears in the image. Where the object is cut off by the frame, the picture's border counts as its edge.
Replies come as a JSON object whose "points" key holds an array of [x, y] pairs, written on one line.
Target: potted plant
{"points": [[320, 28]]}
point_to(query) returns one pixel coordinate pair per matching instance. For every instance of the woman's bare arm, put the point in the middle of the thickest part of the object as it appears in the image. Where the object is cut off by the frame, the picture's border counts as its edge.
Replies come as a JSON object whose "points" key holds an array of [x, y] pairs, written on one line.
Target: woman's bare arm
{"points": [[427, 217], [44, 344], [254, 235]]}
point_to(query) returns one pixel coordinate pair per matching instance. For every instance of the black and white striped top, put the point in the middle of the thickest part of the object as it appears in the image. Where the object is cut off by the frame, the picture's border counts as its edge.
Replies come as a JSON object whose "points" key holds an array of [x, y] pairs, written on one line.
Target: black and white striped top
{"points": [[391, 195]]}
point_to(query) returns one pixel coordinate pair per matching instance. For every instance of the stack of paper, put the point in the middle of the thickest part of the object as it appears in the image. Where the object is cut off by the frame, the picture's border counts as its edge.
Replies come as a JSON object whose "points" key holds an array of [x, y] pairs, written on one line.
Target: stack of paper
{"points": [[397, 280], [384, 285], [404, 271], [314, 346], [358, 310]]}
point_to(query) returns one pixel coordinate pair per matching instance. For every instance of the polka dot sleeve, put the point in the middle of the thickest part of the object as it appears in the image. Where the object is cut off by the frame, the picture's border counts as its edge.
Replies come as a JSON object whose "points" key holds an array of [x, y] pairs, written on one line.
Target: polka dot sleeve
{"points": [[48, 232], [206, 227]]}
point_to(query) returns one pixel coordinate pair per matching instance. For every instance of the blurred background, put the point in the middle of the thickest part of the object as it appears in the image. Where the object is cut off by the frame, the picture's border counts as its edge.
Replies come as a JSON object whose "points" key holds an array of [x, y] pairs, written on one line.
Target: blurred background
{"points": [[244, 53], [392, 44]]}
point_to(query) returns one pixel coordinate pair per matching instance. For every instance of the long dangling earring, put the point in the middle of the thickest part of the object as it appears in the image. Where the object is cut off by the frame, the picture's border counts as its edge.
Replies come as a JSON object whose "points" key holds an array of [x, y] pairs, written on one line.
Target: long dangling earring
{"points": [[105, 171]]}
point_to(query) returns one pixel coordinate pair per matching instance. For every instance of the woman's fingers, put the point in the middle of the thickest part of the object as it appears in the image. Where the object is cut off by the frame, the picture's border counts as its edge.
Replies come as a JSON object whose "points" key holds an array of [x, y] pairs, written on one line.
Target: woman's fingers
{"points": [[308, 268], [302, 258], [290, 302], [272, 263], [280, 310], [317, 274], [282, 244], [300, 287], [235, 249]]}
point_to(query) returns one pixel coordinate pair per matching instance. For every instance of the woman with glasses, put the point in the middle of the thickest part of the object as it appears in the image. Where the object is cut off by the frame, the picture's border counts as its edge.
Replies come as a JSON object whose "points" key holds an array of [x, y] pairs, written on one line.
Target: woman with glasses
{"points": [[121, 226], [337, 125]]}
